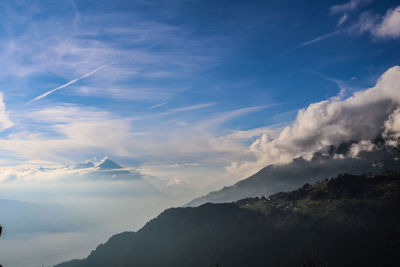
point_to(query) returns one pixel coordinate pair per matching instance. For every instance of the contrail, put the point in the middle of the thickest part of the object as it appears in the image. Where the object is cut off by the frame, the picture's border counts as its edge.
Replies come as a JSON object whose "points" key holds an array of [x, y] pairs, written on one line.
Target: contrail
{"points": [[317, 39], [158, 105], [90, 73], [71, 82]]}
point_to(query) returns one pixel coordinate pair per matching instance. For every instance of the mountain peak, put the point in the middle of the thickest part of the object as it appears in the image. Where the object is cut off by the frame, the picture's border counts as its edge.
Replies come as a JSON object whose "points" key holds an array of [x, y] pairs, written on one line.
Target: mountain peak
{"points": [[108, 164]]}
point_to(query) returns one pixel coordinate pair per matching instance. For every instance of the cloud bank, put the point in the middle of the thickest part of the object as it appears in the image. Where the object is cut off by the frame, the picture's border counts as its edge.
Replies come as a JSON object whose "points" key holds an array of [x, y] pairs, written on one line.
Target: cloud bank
{"points": [[67, 134], [362, 117]]}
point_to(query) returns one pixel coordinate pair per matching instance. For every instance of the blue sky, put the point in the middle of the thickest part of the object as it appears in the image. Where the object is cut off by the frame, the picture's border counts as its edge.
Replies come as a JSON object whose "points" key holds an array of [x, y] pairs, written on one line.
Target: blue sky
{"points": [[168, 82], [150, 83]]}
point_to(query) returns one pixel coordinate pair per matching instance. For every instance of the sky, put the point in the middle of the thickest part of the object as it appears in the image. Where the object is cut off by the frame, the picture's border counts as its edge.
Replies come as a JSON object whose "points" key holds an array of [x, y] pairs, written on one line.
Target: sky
{"points": [[192, 95], [154, 83]]}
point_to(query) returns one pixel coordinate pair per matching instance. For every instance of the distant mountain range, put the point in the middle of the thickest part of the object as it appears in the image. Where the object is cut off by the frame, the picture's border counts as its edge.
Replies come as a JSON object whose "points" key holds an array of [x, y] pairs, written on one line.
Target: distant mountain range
{"points": [[277, 178], [346, 221]]}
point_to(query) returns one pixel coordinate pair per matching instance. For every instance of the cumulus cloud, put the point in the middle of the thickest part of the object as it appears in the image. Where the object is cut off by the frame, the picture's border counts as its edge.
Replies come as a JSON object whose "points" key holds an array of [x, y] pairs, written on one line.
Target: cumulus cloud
{"points": [[361, 118], [5, 121]]}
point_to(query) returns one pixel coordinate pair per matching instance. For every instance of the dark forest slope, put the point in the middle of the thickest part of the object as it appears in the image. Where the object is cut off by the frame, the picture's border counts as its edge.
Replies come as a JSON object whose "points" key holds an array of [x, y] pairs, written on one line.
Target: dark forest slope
{"points": [[277, 178], [346, 221]]}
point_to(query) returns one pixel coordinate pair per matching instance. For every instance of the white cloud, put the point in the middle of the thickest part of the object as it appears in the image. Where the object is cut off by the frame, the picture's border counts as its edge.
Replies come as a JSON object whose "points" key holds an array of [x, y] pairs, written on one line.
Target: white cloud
{"points": [[342, 19], [331, 122], [381, 27], [194, 107], [392, 128], [66, 113], [67, 134], [5, 121], [61, 48], [349, 6], [390, 25], [63, 129], [363, 145], [33, 172]]}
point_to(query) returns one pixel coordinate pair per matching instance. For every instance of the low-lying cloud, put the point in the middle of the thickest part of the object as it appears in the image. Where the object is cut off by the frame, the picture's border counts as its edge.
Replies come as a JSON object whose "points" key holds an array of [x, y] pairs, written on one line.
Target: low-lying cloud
{"points": [[392, 128], [362, 118]]}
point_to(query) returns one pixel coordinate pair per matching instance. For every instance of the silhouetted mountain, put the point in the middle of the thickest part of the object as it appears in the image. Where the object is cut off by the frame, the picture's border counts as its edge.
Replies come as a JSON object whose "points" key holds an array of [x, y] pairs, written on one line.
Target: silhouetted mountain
{"points": [[276, 178], [346, 221]]}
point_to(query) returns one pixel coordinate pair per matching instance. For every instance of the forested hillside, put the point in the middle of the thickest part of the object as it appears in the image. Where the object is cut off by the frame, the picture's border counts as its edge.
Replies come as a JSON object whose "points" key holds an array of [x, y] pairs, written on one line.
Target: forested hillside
{"points": [[345, 221]]}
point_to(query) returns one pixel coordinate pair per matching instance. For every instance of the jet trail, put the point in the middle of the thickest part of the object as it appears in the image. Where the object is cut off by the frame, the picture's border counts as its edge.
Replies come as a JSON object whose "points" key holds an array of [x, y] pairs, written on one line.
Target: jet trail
{"points": [[317, 39], [71, 82], [90, 73]]}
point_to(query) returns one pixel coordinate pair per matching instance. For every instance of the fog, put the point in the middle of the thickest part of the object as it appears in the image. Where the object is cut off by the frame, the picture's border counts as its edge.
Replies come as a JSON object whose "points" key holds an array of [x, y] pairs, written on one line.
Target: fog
{"points": [[59, 220]]}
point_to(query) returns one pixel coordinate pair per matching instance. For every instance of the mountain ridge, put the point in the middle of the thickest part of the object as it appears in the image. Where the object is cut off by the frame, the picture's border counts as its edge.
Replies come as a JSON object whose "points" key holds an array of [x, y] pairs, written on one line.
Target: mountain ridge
{"points": [[341, 220], [275, 178]]}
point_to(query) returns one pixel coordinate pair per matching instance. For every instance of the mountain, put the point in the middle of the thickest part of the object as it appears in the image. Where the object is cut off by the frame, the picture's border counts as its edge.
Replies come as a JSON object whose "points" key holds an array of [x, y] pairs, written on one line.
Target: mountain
{"points": [[107, 170], [345, 221], [108, 164], [110, 170], [276, 178]]}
